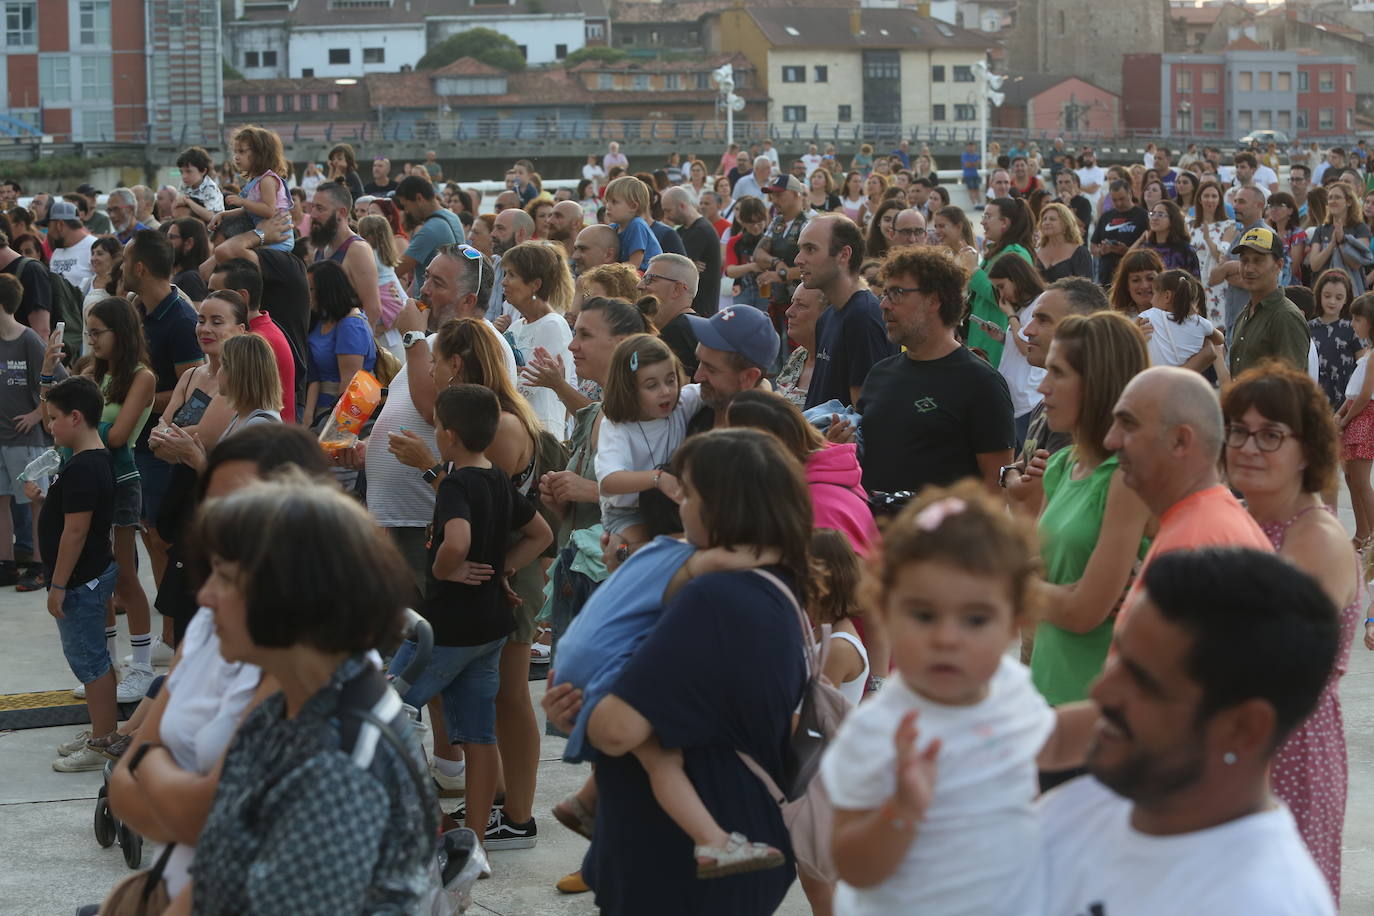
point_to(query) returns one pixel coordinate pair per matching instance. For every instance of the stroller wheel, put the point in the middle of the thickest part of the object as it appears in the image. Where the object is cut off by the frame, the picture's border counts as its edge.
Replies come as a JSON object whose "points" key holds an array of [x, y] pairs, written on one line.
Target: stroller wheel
{"points": [[105, 825], [132, 844]]}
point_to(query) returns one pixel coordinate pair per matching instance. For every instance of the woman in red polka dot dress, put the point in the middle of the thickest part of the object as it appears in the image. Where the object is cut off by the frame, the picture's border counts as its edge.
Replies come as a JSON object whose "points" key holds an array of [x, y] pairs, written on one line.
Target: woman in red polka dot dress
{"points": [[1281, 453]]}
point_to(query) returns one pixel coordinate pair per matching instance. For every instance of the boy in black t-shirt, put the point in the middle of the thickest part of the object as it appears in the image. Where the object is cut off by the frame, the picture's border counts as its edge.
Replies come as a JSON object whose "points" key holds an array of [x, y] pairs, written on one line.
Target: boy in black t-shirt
{"points": [[74, 537], [467, 596]]}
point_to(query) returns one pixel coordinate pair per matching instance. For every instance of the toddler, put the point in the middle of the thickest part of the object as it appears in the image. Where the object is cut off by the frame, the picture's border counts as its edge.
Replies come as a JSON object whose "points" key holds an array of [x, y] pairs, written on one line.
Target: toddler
{"points": [[627, 205], [258, 155]]}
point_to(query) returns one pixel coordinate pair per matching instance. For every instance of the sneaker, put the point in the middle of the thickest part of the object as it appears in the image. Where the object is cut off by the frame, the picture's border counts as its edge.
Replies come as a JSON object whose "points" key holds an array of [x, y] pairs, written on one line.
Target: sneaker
{"points": [[503, 833], [88, 758], [460, 813], [79, 691], [162, 654], [540, 654], [112, 748], [135, 684], [77, 743], [35, 581], [449, 786]]}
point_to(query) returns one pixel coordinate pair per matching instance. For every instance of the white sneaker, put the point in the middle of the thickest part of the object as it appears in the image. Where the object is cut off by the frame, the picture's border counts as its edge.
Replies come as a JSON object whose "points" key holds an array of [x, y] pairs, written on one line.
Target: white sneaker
{"points": [[77, 743], [162, 654], [449, 786], [134, 686], [87, 758], [79, 691]]}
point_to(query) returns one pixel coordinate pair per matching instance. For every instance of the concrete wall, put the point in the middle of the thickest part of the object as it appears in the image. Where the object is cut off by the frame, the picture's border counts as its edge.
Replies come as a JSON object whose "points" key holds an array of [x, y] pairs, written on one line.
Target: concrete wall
{"points": [[242, 37], [1084, 36], [1046, 110], [735, 31], [309, 48], [541, 35]]}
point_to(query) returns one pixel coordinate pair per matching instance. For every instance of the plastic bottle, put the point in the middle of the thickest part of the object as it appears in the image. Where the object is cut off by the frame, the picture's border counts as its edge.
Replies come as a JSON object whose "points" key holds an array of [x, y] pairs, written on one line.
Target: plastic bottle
{"points": [[42, 466]]}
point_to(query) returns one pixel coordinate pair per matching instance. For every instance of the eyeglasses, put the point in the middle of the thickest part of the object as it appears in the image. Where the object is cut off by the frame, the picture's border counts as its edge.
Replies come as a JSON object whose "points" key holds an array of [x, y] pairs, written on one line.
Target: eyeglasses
{"points": [[893, 293], [913, 232], [1267, 438], [648, 278], [94, 333]]}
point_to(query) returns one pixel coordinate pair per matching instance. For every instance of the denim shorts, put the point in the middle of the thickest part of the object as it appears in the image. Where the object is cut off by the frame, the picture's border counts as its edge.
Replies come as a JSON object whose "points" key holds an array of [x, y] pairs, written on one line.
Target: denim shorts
{"points": [[82, 627], [154, 475], [128, 503], [466, 676]]}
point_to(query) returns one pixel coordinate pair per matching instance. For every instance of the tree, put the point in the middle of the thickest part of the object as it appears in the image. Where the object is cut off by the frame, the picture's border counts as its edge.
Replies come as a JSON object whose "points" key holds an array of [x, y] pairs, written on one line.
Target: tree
{"points": [[603, 54], [486, 45], [229, 72]]}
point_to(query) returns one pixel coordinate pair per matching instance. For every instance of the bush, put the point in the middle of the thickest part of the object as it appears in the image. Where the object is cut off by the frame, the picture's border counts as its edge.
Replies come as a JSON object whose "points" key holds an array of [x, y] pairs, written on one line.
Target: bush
{"points": [[602, 54], [486, 45]]}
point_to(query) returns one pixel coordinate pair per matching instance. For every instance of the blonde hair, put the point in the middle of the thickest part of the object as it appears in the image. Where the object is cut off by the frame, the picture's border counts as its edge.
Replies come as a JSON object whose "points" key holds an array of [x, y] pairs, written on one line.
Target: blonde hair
{"points": [[620, 280], [475, 343], [376, 231], [249, 376], [1354, 213], [1072, 234], [629, 189], [538, 261]]}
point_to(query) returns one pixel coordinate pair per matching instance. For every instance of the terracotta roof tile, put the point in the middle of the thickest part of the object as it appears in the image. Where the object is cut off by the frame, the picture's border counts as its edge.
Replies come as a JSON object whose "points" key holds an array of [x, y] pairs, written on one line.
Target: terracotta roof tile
{"points": [[466, 66], [830, 27]]}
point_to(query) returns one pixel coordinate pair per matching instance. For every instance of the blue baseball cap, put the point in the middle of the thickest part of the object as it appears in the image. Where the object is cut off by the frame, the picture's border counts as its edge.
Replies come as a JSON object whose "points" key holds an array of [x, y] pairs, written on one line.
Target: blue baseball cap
{"points": [[740, 329]]}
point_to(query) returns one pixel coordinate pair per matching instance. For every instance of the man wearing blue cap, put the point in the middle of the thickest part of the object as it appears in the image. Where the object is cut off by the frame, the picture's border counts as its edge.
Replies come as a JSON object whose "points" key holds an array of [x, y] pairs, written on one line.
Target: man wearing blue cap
{"points": [[734, 347], [1270, 325]]}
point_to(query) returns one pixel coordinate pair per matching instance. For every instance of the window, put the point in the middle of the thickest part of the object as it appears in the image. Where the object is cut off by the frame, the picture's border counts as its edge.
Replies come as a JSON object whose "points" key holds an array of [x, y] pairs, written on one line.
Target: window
{"points": [[1350, 83], [288, 103], [524, 52], [794, 74], [560, 51], [846, 114], [1265, 120], [254, 102], [1302, 80], [673, 81], [321, 101], [340, 56], [595, 31], [1326, 119], [93, 23], [1285, 81], [1245, 121], [1285, 120], [20, 18], [269, 58], [307, 73], [1063, 23], [270, 103], [1209, 81], [937, 74], [641, 82], [605, 81], [374, 55], [235, 104], [794, 113], [965, 112], [693, 38], [654, 37], [54, 78], [1209, 119], [1350, 119], [97, 76], [963, 74], [1266, 81], [307, 102], [251, 59], [937, 113], [1301, 115], [1326, 81], [703, 80], [97, 124], [1245, 81], [1183, 81], [820, 74]]}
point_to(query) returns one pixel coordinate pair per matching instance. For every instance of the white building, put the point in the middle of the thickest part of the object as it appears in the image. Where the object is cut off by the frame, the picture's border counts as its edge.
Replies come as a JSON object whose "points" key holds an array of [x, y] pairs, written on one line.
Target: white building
{"points": [[546, 30]]}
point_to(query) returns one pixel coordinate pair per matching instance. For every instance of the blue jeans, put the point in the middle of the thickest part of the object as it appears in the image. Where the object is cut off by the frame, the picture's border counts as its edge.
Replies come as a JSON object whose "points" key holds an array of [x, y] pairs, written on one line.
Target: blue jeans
{"points": [[570, 592], [154, 475], [467, 677], [22, 517], [82, 626]]}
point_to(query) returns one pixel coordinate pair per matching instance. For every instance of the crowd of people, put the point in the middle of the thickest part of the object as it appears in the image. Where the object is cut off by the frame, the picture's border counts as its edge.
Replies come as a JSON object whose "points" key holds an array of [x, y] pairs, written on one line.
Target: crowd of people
{"points": [[1043, 514]]}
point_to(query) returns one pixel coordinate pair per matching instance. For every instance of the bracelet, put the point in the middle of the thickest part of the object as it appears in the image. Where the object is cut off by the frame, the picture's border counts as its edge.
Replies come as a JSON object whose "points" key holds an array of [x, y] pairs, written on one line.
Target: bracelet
{"points": [[1369, 620], [890, 816], [657, 475], [60, 588], [46, 379]]}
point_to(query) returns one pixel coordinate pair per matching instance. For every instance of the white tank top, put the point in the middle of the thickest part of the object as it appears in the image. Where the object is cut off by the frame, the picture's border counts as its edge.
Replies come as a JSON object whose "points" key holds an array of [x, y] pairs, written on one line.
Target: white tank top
{"points": [[853, 691]]}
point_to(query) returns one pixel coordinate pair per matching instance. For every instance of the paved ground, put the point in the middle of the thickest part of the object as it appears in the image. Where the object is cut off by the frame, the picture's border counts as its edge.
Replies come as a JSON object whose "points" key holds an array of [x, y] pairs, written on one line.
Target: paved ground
{"points": [[52, 862]]}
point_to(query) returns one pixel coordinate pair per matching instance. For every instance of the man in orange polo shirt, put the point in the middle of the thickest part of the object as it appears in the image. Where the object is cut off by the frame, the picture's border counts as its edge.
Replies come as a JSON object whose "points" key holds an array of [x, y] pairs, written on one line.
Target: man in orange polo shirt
{"points": [[1167, 433]]}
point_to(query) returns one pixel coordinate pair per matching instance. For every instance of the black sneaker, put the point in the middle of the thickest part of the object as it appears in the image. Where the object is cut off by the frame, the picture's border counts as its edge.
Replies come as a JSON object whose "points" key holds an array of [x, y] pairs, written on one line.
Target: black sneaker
{"points": [[35, 581], [503, 833], [460, 813]]}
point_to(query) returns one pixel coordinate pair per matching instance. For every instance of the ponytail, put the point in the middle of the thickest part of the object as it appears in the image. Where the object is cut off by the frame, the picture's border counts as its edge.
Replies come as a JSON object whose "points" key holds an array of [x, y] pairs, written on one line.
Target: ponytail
{"points": [[1186, 292]]}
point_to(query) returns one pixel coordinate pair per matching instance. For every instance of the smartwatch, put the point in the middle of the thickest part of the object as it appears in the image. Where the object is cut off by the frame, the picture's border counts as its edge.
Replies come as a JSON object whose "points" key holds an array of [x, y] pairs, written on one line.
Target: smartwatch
{"points": [[1002, 474], [410, 338], [433, 473]]}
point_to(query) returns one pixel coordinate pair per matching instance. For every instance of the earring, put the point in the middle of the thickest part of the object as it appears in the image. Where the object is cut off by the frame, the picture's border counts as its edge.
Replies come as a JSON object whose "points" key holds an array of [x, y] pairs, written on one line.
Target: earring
{"points": [[1229, 758]]}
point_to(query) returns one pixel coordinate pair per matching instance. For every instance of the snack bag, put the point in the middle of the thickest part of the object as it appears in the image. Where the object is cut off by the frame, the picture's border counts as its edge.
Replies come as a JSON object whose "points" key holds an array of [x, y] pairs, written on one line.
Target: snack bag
{"points": [[351, 411]]}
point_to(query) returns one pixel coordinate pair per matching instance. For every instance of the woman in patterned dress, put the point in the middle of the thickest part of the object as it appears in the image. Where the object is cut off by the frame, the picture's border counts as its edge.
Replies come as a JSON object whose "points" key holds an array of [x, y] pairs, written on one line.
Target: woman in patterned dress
{"points": [[1281, 452], [1333, 334], [1212, 234]]}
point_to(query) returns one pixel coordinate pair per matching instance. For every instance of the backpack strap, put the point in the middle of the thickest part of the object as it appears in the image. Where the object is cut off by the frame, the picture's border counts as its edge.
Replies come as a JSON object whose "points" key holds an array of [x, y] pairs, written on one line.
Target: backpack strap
{"points": [[815, 653]]}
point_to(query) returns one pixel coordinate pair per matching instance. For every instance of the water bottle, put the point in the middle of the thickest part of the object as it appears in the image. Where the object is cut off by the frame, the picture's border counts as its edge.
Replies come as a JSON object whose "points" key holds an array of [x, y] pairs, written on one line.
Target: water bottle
{"points": [[41, 466]]}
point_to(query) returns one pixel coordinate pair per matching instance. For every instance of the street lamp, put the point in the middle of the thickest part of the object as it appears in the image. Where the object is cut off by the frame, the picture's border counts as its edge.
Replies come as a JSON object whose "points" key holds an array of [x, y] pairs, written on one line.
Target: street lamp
{"points": [[724, 78], [988, 84]]}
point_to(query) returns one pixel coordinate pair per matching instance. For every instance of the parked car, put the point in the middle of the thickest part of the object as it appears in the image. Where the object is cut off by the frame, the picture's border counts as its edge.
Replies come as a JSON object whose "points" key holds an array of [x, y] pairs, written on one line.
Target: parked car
{"points": [[1262, 137]]}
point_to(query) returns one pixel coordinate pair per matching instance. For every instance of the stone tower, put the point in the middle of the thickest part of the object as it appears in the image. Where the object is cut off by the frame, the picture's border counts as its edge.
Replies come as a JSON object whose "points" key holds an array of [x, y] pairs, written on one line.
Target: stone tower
{"points": [[1085, 38]]}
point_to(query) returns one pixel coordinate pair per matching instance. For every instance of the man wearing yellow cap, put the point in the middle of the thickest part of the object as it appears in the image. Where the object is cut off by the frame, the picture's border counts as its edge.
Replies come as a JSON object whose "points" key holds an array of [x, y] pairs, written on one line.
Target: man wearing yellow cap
{"points": [[1271, 325]]}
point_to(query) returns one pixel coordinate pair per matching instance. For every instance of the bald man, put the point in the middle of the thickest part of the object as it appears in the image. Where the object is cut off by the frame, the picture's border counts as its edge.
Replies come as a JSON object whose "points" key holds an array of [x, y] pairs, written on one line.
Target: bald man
{"points": [[595, 245], [512, 227], [565, 222], [672, 279], [1167, 433], [702, 244]]}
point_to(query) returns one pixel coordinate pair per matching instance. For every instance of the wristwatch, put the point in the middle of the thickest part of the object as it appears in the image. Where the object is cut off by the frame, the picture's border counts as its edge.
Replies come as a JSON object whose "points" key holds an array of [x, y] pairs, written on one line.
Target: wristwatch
{"points": [[262, 236], [1002, 474], [433, 473], [409, 338]]}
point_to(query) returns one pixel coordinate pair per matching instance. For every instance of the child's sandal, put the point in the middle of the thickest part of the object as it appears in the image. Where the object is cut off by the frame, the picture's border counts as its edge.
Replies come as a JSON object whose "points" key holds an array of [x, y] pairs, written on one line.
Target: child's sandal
{"points": [[574, 815], [737, 856]]}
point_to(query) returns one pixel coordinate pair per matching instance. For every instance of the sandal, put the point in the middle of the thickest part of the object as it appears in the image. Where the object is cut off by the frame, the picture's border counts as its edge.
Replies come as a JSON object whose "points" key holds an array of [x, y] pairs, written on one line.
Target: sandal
{"points": [[737, 856], [574, 815]]}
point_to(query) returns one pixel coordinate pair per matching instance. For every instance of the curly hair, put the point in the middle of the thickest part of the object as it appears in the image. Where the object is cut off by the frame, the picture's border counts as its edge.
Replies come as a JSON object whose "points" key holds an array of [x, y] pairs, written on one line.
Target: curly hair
{"points": [[1282, 394], [935, 273]]}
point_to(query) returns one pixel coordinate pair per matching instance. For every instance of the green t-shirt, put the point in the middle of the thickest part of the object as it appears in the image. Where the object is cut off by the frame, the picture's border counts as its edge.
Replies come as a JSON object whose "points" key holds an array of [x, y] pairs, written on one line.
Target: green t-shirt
{"points": [[1064, 664], [983, 304]]}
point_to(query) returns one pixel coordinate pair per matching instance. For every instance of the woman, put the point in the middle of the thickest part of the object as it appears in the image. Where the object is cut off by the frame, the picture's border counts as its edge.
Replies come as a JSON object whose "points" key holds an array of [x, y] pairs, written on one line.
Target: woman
{"points": [[204, 697], [1281, 212], [879, 241], [950, 229], [1018, 285], [539, 210], [361, 831], [539, 287], [343, 169], [1281, 453], [739, 487], [31, 246], [312, 179], [1343, 240], [1008, 230], [1061, 252], [1316, 211], [192, 244], [1211, 237], [1167, 236], [697, 181], [820, 195], [339, 344], [1152, 193], [875, 189], [925, 168], [480, 235], [391, 293], [722, 187], [751, 221], [196, 416], [106, 257], [387, 210], [852, 199], [795, 376], [729, 160], [1185, 187], [249, 381], [1092, 524], [1133, 286], [863, 159]]}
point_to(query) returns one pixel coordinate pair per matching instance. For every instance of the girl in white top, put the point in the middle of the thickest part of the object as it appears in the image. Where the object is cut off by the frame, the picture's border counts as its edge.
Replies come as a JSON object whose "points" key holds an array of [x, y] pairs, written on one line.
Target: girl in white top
{"points": [[1180, 333], [948, 827], [1018, 286], [537, 284], [391, 295], [645, 409], [1356, 421], [846, 659]]}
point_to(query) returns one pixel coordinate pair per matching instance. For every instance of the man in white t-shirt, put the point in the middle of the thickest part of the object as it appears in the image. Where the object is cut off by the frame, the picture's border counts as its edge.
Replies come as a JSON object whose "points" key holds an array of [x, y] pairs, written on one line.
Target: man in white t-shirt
{"points": [[812, 159], [1091, 177], [71, 245], [1177, 815]]}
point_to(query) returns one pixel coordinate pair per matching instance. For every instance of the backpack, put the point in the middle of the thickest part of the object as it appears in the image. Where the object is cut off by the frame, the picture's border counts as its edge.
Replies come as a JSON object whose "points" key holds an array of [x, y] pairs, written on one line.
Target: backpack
{"points": [[65, 305], [806, 809]]}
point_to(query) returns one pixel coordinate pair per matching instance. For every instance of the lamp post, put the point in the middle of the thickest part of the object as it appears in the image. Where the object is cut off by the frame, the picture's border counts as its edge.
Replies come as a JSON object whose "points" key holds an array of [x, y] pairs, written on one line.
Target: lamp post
{"points": [[988, 85], [724, 78]]}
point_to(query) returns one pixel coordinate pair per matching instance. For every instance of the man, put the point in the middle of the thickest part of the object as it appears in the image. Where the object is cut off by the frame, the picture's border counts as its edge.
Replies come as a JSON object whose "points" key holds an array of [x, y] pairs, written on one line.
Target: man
{"points": [[1090, 176], [936, 413], [1166, 173], [736, 345], [1271, 326], [1249, 207], [96, 221], [565, 222], [711, 204], [918, 196], [1181, 752], [506, 200], [122, 205], [334, 240], [382, 184], [850, 334], [902, 152], [613, 158], [702, 246], [771, 155], [9, 194], [1066, 191], [673, 279], [1299, 183], [71, 244], [908, 228], [1335, 159], [1117, 231], [595, 245], [510, 229], [1023, 183], [1247, 176], [190, 247], [434, 226], [777, 250], [432, 166], [753, 184], [999, 184], [245, 278], [35, 307], [812, 161]]}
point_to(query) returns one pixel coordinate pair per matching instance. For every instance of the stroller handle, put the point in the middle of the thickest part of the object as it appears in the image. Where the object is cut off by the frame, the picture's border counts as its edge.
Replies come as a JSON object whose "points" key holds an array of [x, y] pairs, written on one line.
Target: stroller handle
{"points": [[418, 629]]}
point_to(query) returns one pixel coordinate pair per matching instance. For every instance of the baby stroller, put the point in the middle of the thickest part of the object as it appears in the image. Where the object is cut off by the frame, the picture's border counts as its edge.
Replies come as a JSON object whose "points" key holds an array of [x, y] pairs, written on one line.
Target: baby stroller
{"points": [[110, 829]]}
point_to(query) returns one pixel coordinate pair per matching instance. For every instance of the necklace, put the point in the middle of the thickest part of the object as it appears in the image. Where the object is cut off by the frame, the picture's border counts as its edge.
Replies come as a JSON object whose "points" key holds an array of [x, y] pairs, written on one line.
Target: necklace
{"points": [[645, 436]]}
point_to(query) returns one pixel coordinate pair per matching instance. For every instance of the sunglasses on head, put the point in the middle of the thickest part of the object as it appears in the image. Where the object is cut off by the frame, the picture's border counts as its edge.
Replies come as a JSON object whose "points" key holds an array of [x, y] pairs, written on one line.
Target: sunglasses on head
{"points": [[467, 251]]}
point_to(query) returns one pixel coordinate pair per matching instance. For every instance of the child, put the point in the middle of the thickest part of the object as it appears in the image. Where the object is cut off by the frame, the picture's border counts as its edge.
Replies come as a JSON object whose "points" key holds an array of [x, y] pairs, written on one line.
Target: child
{"points": [[258, 155], [846, 664], [466, 594], [21, 426], [1356, 421], [199, 193], [1332, 333], [627, 205], [954, 584], [74, 537], [1180, 335], [646, 409], [970, 162]]}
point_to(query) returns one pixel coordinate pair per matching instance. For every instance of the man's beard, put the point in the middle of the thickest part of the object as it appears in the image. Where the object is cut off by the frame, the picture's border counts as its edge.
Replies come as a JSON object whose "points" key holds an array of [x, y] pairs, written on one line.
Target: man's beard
{"points": [[321, 234], [500, 248], [560, 235], [1145, 778]]}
